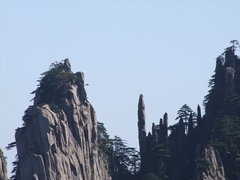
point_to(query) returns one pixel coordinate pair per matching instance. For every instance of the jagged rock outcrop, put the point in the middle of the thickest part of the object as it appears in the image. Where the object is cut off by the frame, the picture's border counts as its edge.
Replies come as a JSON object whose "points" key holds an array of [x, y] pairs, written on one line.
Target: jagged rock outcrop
{"points": [[151, 144], [67, 65], [59, 139], [200, 147], [210, 165], [3, 166]]}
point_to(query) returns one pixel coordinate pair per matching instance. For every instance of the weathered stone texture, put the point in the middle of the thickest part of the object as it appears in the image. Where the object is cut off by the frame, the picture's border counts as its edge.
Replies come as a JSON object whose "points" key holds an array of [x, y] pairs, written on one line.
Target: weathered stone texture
{"points": [[142, 132], [62, 144], [67, 65], [213, 163], [3, 166]]}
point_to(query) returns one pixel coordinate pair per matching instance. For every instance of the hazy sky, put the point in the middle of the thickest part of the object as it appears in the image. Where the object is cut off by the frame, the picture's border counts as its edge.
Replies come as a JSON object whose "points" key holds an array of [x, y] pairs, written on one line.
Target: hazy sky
{"points": [[163, 50]]}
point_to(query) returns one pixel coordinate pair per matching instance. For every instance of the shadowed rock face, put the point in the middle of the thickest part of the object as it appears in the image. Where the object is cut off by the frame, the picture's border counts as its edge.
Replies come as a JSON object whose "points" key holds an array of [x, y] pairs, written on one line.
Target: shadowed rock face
{"points": [[229, 84], [61, 142], [141, 124], [149, 163], [3, 166], [67, 65], [142, 133]]}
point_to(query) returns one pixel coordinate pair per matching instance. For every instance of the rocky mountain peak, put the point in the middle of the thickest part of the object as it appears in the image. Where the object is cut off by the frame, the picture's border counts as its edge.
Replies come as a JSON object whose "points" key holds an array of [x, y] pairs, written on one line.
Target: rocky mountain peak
{"points": [[59, 137], [67, 65]]}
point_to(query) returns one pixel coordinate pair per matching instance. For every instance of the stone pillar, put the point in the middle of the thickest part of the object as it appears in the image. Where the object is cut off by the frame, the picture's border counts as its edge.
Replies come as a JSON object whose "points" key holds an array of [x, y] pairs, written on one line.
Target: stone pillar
{"points": [[165, 119], [142, 133]]}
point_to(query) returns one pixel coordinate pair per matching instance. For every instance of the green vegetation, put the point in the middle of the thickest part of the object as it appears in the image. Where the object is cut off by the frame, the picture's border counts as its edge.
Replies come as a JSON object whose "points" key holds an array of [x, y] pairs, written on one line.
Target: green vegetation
{"points": [[184, 113], [151, 176], [1, 177], [28, 115], [125, 159], [161, 150], [188, 116], [227, 134], [104, 141], [52, 83], [227, 141], [11, 145], [204, 165]]}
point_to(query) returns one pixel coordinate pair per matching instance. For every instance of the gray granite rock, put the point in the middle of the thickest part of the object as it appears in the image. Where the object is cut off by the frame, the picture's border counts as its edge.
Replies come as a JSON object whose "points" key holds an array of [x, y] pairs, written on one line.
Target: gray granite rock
{"points": [[142, 133], [67, 65], [3, 166], [211, 166], [61, 143]]}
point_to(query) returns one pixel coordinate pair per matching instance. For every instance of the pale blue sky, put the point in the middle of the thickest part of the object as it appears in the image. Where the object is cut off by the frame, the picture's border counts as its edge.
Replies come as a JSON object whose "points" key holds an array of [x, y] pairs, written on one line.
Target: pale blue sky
{"points": [[164, 50]]}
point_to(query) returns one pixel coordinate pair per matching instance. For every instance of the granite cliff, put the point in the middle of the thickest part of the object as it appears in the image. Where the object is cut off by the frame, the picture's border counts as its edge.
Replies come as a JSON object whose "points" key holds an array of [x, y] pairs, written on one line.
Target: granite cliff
{"points": [[213, 164], [58, 139], [3, 166]]}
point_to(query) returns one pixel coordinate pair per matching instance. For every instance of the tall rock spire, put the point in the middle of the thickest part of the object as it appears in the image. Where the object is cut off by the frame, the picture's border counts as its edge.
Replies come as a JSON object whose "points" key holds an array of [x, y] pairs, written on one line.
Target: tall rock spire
{"points": [[142, 131], [199, 116], [165, 118]]}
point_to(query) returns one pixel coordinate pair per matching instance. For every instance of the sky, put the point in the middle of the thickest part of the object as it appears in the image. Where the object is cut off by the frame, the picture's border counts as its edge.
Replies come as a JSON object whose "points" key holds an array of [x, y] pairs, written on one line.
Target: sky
{"points": [[165, 50]]}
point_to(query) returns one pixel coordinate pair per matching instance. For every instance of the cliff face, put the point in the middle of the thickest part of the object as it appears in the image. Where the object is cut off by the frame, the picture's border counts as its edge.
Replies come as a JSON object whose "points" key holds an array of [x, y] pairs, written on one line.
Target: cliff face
{"points": [[3, 166], [211, 167], [59, 137]]}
